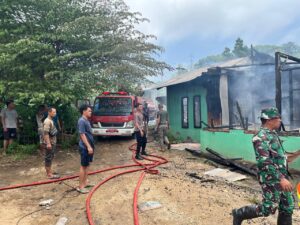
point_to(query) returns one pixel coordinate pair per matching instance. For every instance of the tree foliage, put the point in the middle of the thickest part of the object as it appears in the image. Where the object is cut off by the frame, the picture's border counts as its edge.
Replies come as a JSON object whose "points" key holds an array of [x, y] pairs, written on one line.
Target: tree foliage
{"points": [[242, 50], [59, 50], [289, 48]]}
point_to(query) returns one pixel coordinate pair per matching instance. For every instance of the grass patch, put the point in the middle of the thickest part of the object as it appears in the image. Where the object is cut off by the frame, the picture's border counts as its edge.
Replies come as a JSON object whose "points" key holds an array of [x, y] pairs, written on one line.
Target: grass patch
{"points": [[19, 151], [69, 141]]}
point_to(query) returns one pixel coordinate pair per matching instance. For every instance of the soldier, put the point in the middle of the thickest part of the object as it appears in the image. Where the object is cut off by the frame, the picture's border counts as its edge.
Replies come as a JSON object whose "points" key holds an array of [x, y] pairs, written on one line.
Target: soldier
{"points": [[272, 173], [162, 126]]}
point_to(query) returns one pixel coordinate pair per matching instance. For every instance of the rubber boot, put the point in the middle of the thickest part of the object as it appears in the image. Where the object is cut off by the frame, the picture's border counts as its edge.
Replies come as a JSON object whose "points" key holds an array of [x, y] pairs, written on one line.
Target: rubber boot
{"points": [[247, 212], [284, 219], [144, 152], [138, 157]]}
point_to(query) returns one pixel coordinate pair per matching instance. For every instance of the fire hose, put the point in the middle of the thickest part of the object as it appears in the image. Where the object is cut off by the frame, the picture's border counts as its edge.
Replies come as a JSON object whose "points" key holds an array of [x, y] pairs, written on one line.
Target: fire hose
{"points": [[146, 168]]}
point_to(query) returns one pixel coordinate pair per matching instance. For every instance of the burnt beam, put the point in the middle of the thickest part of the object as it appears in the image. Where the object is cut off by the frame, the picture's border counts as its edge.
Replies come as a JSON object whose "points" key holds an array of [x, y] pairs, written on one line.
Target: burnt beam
{"points": [[278, 69], [232, 163], [295, 59], [291, 97], [278, 93]]}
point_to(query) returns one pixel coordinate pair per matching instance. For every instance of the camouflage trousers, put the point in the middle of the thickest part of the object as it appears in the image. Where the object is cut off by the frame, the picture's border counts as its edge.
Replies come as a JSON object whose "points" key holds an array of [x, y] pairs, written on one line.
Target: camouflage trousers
{"points": [[162, 135], [273, 198]]}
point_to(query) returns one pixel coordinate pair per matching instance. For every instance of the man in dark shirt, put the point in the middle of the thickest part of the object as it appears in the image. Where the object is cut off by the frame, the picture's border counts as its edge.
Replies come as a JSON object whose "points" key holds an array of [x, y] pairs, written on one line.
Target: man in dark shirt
{"points": [[140, 132], [146, 113], [86, 146]]}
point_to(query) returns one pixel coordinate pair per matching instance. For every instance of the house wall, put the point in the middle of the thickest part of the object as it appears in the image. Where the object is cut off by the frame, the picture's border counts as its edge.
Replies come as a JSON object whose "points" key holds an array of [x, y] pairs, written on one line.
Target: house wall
{"points": [[237, 144], [174, 98]]}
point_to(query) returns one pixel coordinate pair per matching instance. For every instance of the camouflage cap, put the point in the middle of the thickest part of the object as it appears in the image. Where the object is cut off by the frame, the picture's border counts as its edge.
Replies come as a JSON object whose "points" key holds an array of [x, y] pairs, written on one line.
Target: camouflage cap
{"points": [[269, 113]]}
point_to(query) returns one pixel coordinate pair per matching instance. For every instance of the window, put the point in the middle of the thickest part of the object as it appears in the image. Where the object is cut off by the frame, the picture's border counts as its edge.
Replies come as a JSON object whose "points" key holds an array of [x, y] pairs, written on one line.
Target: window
{"points": [[184, 112], [197, 111], [112, 106]]}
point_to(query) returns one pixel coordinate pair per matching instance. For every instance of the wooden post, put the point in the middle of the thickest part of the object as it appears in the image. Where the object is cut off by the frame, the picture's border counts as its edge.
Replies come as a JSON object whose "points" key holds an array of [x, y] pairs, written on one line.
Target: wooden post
{"points": [[291, 97], [278, 82]]}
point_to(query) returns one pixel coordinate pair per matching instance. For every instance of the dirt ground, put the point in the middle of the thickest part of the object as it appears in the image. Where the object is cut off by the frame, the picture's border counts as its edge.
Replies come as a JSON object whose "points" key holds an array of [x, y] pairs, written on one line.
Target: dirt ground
{"points": [[185, 200]]}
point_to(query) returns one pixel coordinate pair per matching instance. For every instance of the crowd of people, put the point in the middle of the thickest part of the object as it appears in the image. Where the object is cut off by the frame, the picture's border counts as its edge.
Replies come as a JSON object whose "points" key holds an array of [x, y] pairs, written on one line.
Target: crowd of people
{"points": [[49, 126], [270, 155]]}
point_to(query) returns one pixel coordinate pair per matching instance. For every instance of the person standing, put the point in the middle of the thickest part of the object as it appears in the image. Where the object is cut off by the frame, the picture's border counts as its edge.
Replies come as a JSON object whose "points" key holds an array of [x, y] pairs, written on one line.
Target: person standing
{"points": [[162, 127], [55, 119], [86, 146], [9, 119], [50, 140], [140, 132], [272, 173]]}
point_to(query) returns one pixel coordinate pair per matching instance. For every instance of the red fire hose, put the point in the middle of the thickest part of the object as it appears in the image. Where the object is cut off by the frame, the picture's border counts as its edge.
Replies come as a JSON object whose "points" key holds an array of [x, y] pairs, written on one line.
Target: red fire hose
{"points": [[146, 168]]}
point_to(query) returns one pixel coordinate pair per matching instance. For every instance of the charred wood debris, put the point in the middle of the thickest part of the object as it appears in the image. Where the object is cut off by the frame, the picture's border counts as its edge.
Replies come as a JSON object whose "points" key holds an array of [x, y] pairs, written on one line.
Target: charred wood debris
{"points": [[216, 157]]}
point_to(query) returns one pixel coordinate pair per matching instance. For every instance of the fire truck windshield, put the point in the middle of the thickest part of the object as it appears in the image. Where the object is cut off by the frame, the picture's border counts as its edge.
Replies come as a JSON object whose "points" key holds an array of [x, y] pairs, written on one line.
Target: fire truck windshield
{"points": [[112, 106]]}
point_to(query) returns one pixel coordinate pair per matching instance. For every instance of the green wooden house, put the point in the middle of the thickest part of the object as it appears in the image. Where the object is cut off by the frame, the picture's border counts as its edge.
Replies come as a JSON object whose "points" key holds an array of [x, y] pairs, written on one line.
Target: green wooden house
{"points": [[218, 106]]}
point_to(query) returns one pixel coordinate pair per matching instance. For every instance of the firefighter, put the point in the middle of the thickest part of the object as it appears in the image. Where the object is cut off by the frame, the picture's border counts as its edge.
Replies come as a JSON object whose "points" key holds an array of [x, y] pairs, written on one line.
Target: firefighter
{"points": [[272, 173]]}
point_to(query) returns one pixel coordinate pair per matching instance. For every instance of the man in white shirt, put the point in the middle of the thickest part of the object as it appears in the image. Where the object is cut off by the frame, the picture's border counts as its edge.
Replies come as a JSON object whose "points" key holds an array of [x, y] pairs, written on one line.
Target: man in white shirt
{"points": [[9, 119]]}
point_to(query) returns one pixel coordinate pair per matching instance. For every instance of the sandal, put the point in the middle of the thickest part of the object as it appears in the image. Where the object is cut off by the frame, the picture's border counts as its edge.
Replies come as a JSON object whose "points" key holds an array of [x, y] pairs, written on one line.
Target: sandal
{"points": [[82, 190], [89, 185], [54, 176]]}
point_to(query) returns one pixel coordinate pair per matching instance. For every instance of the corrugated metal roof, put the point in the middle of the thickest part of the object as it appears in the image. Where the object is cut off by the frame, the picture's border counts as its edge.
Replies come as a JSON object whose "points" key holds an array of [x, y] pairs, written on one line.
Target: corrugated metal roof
{"points": [[182, 78], [185, 77]]}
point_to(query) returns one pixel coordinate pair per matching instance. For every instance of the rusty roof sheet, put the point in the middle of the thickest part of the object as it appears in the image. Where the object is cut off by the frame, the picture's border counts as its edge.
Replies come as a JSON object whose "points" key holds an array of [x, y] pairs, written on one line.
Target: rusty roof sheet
{"points": [[191, 75]]}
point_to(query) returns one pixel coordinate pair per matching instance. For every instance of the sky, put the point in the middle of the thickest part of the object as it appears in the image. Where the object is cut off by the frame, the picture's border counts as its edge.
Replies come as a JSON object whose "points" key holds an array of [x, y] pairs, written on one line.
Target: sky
{"points": [[191, 29]]}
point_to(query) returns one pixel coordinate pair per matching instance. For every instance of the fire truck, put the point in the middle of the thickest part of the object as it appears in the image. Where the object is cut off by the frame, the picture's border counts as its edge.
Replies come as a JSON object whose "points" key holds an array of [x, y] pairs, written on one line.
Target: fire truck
{"points": [[113, 114]]}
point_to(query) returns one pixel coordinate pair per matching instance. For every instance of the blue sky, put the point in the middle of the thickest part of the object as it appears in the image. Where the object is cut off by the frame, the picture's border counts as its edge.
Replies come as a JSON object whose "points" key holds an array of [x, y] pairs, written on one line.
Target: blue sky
{"points": [[191, 29]]}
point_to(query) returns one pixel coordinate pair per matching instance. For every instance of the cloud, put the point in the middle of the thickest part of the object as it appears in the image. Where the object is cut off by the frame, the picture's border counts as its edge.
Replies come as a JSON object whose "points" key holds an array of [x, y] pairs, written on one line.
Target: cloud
{"points": [[256, 21]]}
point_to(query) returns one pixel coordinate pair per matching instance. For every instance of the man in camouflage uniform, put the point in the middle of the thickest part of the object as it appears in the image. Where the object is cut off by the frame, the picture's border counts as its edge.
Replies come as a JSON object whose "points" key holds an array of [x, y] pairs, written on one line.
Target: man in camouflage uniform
{"points": [[162, 127], [272, 174]]}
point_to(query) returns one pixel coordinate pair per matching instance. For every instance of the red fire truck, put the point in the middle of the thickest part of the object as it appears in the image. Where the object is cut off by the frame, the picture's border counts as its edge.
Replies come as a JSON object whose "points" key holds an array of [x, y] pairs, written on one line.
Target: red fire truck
{"points": [[113, 114]]}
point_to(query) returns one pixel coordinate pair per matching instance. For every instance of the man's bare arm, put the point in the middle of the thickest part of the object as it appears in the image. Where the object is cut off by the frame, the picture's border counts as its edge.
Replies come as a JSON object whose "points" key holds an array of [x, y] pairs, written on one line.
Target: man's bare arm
{"points": [[86, 142]]}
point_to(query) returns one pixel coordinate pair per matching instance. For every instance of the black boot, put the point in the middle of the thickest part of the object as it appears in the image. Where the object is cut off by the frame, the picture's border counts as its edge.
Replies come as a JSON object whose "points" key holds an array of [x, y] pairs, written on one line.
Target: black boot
{"points": [[138, 157], [284, 219], [144, 152], [247, 212]]}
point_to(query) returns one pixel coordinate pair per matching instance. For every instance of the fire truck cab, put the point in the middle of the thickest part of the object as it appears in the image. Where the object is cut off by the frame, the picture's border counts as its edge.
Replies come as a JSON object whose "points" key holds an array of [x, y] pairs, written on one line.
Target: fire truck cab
{"points": [[113, 114]]}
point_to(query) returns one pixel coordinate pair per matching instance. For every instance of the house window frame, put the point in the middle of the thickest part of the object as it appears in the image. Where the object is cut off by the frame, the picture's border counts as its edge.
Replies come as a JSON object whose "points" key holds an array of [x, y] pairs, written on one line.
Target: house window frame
{"points": [[194, 110], [183, 124]]}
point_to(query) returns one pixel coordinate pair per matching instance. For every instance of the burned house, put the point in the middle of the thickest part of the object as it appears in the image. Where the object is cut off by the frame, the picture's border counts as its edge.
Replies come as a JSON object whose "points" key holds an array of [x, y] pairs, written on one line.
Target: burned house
{"points": [[219, 105]]}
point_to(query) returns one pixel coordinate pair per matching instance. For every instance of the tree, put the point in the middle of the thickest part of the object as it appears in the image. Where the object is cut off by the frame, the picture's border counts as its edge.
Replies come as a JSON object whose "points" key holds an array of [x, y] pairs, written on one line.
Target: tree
{"points": [[240, 50], [180, 69], [59, 50], [289, 48], [227, 53]]}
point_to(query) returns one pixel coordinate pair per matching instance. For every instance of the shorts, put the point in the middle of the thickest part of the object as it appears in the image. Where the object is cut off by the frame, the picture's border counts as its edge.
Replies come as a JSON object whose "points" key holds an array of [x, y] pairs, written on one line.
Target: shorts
{"points": [[86, 159], [11, 133], [49, 155]]}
